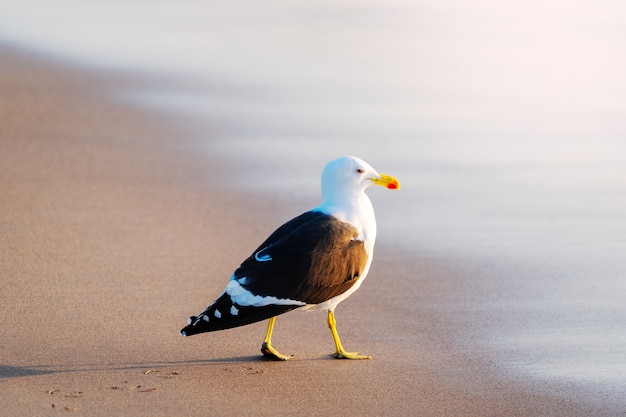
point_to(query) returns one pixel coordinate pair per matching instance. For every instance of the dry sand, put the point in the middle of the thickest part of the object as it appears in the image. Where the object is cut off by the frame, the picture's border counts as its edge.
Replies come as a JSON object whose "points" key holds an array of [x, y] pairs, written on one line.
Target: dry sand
{"points": [[114, 230]]}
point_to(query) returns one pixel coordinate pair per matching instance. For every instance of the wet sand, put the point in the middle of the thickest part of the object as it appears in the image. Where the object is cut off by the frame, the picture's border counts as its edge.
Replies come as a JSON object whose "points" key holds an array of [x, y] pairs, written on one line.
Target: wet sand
{"points": [[115, 228]]}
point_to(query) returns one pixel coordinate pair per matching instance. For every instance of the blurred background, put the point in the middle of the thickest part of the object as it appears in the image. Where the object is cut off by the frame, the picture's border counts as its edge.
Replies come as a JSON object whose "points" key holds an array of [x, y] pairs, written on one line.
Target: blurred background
{"points": [[504, 121]]}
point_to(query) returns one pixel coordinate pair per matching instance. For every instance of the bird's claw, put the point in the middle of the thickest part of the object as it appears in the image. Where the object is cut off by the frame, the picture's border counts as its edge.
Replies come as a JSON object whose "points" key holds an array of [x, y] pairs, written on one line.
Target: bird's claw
{"points": [[270, 353], [349, 355]]}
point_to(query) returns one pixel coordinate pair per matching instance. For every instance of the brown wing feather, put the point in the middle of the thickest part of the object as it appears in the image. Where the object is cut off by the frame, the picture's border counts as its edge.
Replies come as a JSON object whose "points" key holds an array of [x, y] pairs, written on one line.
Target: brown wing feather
{"points": [[336, 263], [311, 259]]}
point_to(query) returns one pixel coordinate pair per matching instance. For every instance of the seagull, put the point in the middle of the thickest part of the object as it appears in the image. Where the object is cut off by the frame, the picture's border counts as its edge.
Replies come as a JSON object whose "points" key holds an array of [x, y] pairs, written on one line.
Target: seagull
{"points": [[313, 262]]}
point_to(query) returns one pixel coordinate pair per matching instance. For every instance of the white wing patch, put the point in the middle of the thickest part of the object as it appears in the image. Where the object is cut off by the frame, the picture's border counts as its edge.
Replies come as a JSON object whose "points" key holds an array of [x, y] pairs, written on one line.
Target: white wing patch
{"points": [[245, 298], [242, 280]]}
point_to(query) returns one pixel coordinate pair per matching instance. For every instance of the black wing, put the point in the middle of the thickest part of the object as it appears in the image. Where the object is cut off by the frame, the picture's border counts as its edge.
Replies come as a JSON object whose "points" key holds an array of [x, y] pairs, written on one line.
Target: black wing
{"points": [[310, 259]]}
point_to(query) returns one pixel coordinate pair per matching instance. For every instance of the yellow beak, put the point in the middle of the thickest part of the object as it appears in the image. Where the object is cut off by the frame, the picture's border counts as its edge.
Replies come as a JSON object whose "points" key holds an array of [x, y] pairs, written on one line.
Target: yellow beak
{"points": [[387, 181]]}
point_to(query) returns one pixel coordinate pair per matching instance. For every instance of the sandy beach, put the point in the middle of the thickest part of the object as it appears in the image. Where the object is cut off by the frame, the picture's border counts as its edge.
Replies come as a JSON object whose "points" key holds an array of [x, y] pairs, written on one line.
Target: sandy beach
{"points": [[113, 233]]}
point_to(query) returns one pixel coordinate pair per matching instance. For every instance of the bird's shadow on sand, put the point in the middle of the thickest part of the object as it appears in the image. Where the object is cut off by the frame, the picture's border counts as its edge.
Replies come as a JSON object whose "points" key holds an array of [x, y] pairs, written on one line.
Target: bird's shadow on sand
{"points": [[9, 371]]}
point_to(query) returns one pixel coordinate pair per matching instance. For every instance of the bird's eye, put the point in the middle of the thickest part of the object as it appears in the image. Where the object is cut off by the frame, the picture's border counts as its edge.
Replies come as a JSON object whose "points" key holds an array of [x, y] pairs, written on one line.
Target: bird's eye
{"points": [[359, 170]]}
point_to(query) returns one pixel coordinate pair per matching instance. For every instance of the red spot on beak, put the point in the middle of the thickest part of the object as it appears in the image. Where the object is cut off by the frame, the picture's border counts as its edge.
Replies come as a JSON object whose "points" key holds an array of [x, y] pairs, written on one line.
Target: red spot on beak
{"points": [[392, 186]]}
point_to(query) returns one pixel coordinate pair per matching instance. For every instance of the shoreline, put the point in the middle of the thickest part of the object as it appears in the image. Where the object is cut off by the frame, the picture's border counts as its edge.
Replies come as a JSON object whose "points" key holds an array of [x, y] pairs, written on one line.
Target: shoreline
{"points": [[113, 235]]}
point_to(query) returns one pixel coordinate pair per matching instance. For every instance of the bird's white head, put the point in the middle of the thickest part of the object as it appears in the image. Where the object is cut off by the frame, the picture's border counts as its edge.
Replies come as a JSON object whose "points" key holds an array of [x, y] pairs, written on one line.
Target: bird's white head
{"points": [[345, 177]]}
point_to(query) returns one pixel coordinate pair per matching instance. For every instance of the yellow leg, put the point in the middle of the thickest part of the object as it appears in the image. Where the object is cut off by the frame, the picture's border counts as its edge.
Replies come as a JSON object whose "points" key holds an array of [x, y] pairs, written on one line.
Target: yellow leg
{"points": [[267, 349], [340, 353]]}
